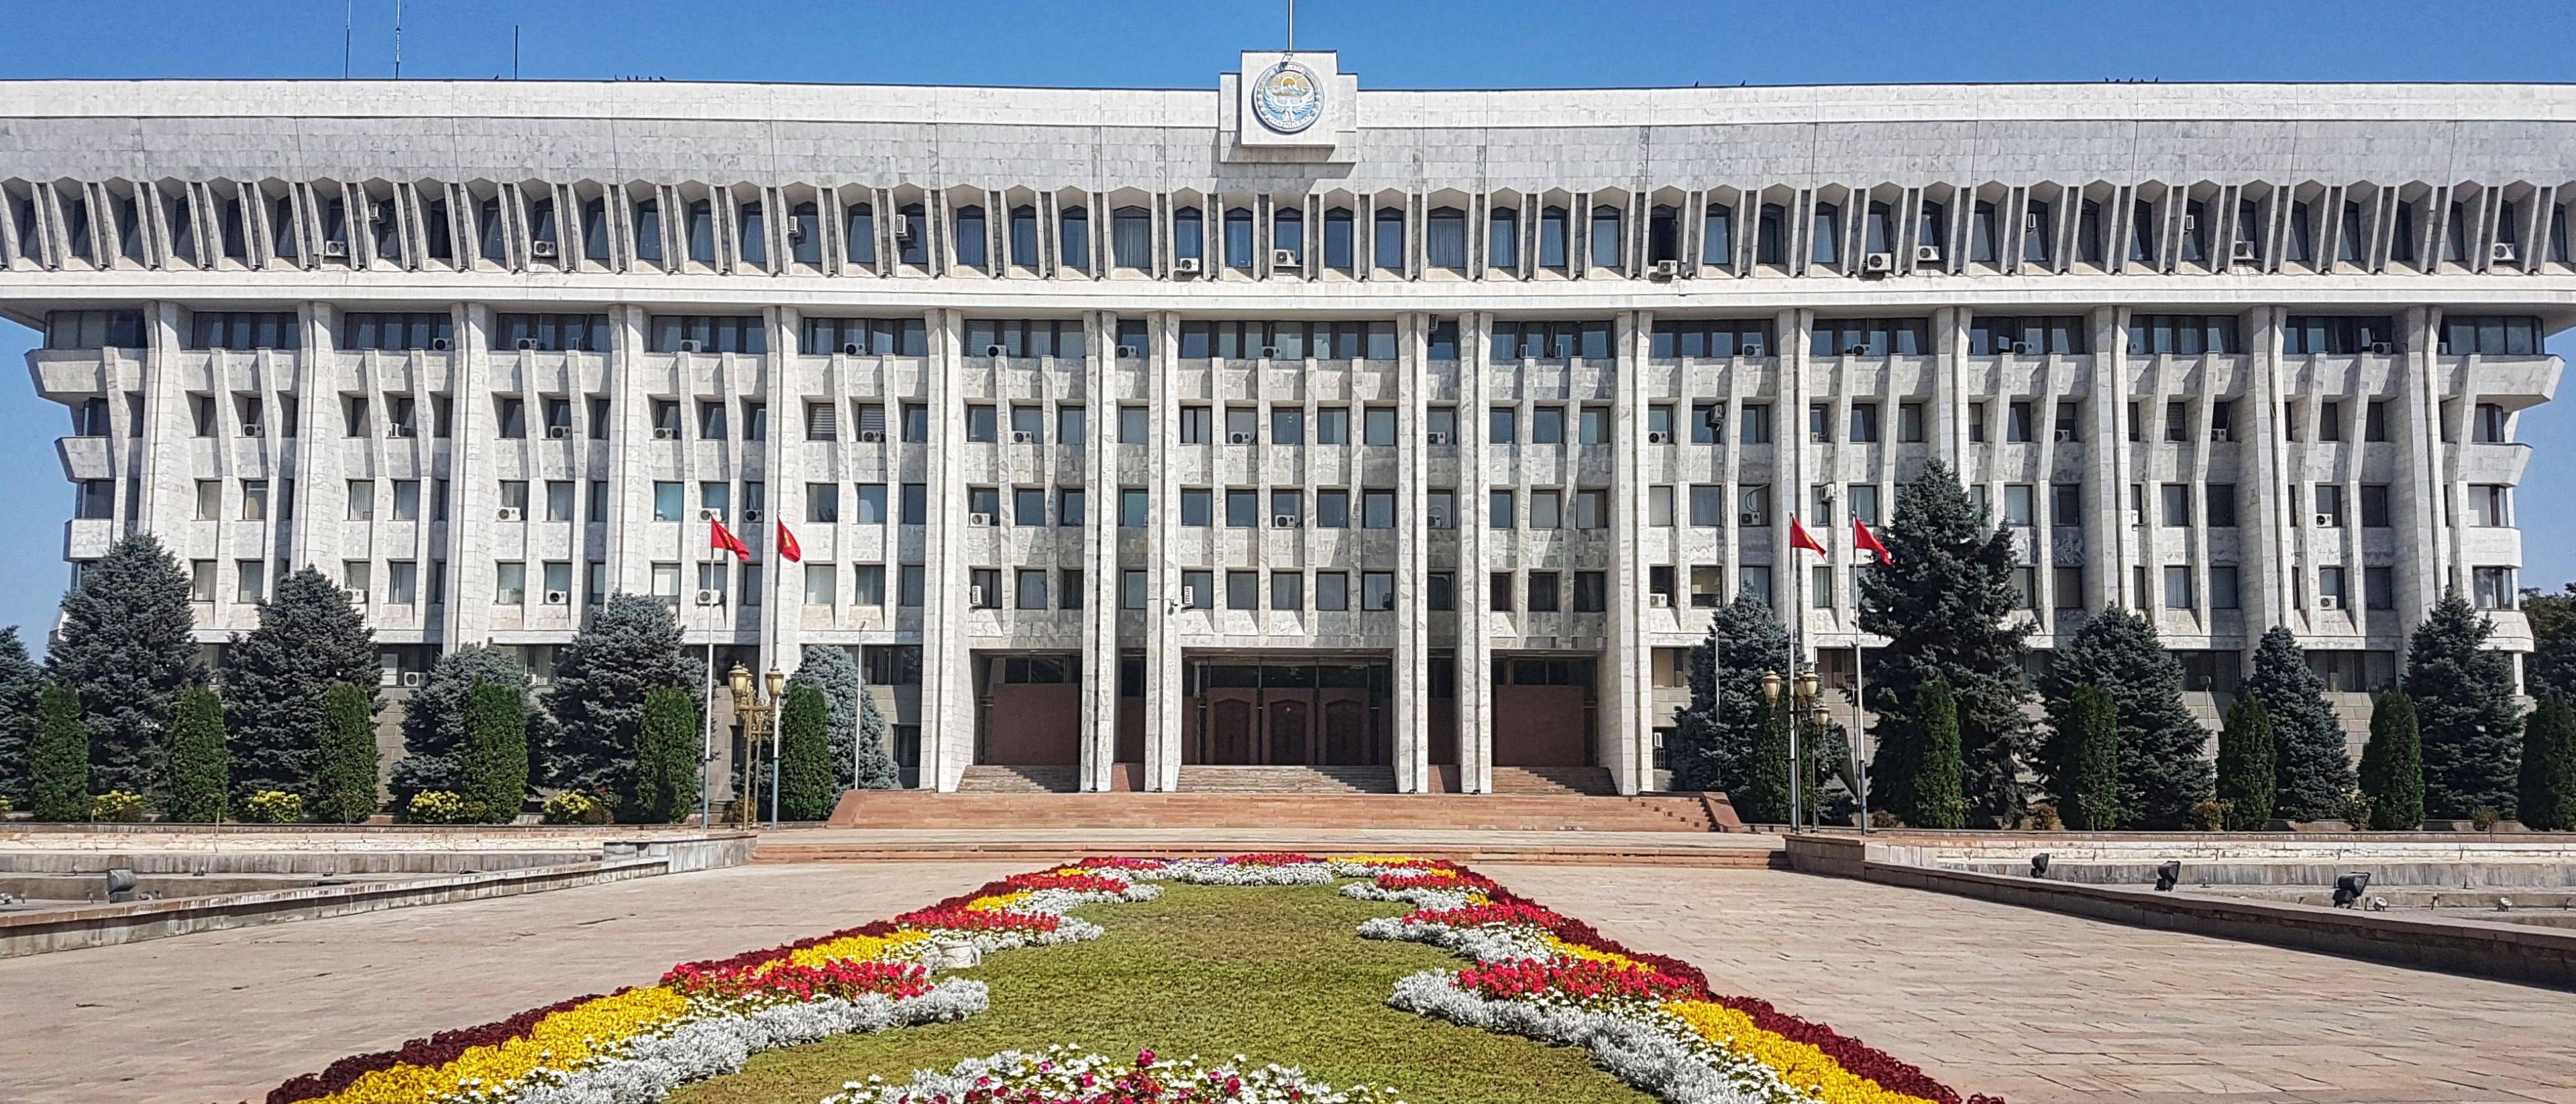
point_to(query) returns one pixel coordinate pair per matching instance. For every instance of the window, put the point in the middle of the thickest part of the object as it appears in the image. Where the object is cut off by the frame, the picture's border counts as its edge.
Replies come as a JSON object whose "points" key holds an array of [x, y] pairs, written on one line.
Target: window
{"points": [[1864, 423], [1498, 592], [1238, 239], [1515, 341], [1333, 425], [510, 584], [2177, 505], [1502, 426], [1606, 237], [1547, 509], [1717, 244], [1444, 240], [1754, 424], [1242, 508], [1131, 238], [1029, 588], [1873, 337], [1332, 509], [2178, 591], [1189, 235], [1708, 505], [244, 330], [2494, 587], [2490, 505], [1387, 247], [1552, 232], [2379, 587], [551, 333], [1592, 509], [732, 333], [1134, 507], [1377, 425], [1288, 232], [1499, 511], [1073, 238], [2031, 335], [981, 423], [1377, 591], [1543, 592], [1288, 591], [1440, 591], [1503, 238], [2490, 425], [1711, 338], [2183, 334], [1377, 509], [249, 581], [1442, 509], [1243, 590], [1594, 425], [2374, 506], [2492, 335], [2329, 500], [1196, 505], [2339, 334], [2221, 505], [1332, 591], [968, 224], [1828, 235], [1068, 506], [1547, 425], [254, 505]]}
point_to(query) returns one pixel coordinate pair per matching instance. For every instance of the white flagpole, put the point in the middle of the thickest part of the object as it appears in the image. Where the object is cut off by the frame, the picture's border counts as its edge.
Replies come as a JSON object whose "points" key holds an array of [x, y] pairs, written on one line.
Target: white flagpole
{"points": [[1797, 651], [1860, 721], [707, 711]]}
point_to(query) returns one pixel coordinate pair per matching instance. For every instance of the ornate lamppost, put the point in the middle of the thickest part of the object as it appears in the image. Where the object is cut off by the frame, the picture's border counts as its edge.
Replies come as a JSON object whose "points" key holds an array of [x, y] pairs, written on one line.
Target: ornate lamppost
{"points": [[756, 712], [1805, 695]]}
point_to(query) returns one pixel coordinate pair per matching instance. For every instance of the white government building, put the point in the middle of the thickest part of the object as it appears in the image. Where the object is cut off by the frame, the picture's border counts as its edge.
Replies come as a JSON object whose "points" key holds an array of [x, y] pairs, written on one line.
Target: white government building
{"points": [[1407, 436]]}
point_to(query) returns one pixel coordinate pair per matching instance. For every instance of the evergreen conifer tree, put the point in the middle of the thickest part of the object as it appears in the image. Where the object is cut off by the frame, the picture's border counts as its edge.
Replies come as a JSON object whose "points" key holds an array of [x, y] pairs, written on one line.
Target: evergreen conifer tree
{"points": [[2392, 765], [126, 649], [2163, 770], [1762, 794], [342, 783], [2548, 789], [876, 766], [58, 756], [2311, 771], [310, 639], [806, 788], [1938, 799], [829, 669], [2551, 666], [20, 682], [2464, 710], [2245, 772], [2088, 785], [663, 783], [1715, 734], [1945, 601], [631, 648], [492, 766], [196, 781], [434, 727]]}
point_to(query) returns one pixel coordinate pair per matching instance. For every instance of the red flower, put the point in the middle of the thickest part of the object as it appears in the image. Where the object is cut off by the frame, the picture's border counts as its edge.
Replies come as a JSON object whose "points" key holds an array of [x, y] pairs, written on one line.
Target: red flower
{"points": [[966, 919], [843, 978], [1519, 916], [1580, 979]]}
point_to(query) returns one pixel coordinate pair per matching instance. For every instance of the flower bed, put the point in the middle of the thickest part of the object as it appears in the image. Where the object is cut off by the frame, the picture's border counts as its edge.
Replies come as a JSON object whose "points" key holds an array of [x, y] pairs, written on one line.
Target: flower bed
{"points": [[1072, 1075]]}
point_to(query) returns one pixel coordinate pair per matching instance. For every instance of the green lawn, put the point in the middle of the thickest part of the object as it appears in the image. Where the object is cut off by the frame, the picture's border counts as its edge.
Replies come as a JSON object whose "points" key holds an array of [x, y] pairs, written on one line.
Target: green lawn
{"points": [[1274, 973]]}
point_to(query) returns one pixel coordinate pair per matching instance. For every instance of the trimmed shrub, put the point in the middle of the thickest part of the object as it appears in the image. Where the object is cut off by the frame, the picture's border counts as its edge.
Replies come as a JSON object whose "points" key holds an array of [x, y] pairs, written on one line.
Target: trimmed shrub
{"points": [[575, 807], [196, 772], [2089, 780], [806, 787], [2246, 778], [1939, 799], [1763, 798], [2207, 815], [492, 766], [438, 807], [2392, 765], [273, 807], [58, 757], [665, 774], [2548, 782], [342, 789], [117, 807]]}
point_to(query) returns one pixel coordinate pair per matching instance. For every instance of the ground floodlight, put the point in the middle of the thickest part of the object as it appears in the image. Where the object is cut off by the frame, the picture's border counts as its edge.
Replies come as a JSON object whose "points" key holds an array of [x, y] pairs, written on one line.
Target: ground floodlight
{"points": [[120, 885], [2167, 873], [2039, 865], [2348, 888]]}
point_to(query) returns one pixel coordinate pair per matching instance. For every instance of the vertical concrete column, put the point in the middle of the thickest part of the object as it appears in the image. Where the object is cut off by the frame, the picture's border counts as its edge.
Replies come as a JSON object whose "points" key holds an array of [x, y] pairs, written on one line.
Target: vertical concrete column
{"points": [[1475, 639], [947, 686], [2107, 453], [1789, 468], [781, 624], [471, 425], [1628, 747], [1100, 611], [2416, 500], [2278, 551], [170, 489], [301, 455], [1412, 713], [1163, 671], [630, 481]]}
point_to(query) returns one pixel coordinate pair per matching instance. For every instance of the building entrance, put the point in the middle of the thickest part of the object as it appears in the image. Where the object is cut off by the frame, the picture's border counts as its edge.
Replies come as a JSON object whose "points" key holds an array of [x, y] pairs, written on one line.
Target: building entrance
{"points": [[1287, 711]]}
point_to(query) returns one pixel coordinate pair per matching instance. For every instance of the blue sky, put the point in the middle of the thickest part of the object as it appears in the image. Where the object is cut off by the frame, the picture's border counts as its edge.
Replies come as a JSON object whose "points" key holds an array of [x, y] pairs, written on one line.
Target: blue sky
{"points": [[1416, 44]]}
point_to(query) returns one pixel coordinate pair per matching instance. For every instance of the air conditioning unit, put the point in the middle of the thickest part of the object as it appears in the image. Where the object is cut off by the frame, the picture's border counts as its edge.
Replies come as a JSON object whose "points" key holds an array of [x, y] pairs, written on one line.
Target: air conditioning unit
{"points": [[1185, 266], [666, 433], [1877, 264], [795, 231], [1927, 255], [1189, 597], [2065, 436], [2220, 434], [2242, 253], [1439, 520], [1660, 601], [527, 344], [1284, 258], [1667, 270], [2329, 602], [1436, 437], [1238, 438], [1129, 352], [558, 432], [691, 345], [751, 515], [2024, 348], [558, 597], [975, 597], [995, 351], [871, 436], [851, 349], [1658, 437], [710, 513], [710, 596], [1270, 352], [508, 513], [1023, 437], [414, 679], [1283, 521], [357, 597], [437, 344], [335, 251], [2326, 521], [2502, 253], [2382, 348], [542, 250], [979, 521], [1751, 519], [253, 429], [400, 431]]}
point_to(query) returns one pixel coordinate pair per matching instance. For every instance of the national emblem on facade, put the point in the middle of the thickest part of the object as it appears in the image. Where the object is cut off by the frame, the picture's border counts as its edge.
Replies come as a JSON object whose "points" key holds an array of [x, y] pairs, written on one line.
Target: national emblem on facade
{"points": [[1287, 97]]}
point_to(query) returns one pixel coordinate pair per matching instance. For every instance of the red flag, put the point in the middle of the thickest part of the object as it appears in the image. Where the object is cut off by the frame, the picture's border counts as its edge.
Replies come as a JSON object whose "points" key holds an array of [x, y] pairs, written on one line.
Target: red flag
{"points": [[1866, 541], [1800, 538], [787, 545], [720, 537]]}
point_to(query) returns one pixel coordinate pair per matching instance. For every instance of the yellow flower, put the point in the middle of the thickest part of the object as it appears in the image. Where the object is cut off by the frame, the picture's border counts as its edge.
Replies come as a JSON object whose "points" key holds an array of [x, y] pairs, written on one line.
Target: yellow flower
{"points": [[999, 902], [562, 1041], [1800, 1066], [864, 948], [1564, 949]]}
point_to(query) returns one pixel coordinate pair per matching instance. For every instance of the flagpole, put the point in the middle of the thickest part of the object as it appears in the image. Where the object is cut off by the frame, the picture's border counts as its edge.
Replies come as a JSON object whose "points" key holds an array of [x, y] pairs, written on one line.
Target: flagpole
{"points": [[1860, 723], [776, 707], [707, 709], [1797, 651]]}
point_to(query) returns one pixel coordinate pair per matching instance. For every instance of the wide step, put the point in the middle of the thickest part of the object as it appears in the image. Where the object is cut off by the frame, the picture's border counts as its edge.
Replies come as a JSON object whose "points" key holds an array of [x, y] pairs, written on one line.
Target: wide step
{"points": [[1251, 809], [1293, 780], [1557, 781], [1001, 779]]}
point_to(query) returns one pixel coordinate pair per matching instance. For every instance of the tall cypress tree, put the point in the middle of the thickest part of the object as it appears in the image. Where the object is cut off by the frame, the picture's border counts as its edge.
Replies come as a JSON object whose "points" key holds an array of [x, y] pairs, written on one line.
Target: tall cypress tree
{"points": [[631, 648], [662, 786], [1938, 800], [20, 682], [2551, 666], [341, 785], [492, 766], [1715, 735], [434, 726], [127, 647], [2245, 765], [196, 782], [2548, 784], [2464, 708], [2392, 765], [1945, 601], [2163, 769], [58, 756], [876, 766], [310, 639], [806, 788], [829, 669], [1761, 794], [2311, 771], [2088, 786]]}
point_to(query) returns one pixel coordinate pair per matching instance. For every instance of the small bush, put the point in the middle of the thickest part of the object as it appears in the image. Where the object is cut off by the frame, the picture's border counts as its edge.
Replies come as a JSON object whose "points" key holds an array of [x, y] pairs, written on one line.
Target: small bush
{"points": [[2043, 817], [1885, 819], [2208, 816], [575, 807], [117, 807], [273, 807], [2484, 818], [437, 807], [6, 808]]}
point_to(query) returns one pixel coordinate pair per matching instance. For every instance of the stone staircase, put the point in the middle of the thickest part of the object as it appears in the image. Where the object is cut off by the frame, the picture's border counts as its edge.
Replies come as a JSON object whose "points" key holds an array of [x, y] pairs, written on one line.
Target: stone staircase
{"points": [[1555, 781], [997, 779], [1288, 780], [1025, 811]]}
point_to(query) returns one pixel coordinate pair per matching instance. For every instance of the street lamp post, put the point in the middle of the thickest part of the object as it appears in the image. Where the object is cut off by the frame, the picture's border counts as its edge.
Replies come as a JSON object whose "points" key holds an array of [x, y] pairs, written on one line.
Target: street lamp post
{"points": [[756, 713], [1805, 695]]}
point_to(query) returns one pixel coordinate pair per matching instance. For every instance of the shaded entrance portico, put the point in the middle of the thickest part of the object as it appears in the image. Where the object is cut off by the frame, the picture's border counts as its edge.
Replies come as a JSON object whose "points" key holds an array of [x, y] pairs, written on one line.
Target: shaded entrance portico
{"points": [[1295, 709]]}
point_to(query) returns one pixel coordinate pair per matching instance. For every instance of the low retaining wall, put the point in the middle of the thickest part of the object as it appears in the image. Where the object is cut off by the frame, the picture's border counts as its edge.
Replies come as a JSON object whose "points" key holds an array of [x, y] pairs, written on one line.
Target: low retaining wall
{"points": [[2528, 954]]}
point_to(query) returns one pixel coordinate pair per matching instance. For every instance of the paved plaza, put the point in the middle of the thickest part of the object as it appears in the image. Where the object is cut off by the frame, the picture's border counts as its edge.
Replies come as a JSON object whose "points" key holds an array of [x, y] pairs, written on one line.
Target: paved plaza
{"points": [[2032, 1005]]}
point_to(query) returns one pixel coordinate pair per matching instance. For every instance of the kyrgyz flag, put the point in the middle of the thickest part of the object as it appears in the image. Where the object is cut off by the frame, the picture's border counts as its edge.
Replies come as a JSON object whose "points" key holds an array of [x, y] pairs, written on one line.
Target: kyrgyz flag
{"points": [[787, 548], [720, 537], [1800, 538], [1867, 541]]}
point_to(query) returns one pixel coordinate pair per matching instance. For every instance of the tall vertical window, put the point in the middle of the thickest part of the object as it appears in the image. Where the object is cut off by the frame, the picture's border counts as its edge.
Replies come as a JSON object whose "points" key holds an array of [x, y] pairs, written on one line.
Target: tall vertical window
{"points": [[2348, 241], [648, 231], [1829, 235], [1386, 249], [2088, 233], [970, 237], [859, 227], [1238, 238], [1878, 230], [594, 230], [805, 234], [2142, 232], [2401, 235], [1771, 236], [1288, 232], [1503, 238], [751, 225], [1189, 234], [701, 232], [1024, 236], [1551, 238], [1444, 243], [1338, 233], [2038, 234], [1073, 235], [1717, 231], [2301, 248], [912, 235], [1935, 231], [1131, 238], [1663, 234], [1607, 234], [1983, 246], [2195, 232]]}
